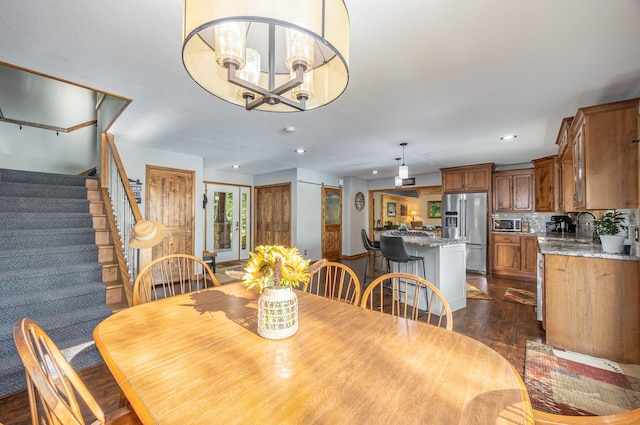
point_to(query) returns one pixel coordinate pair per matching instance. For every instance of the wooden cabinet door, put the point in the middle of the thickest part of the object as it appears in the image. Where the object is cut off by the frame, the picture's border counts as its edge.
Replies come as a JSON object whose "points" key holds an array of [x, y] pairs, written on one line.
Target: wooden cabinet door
{"points": [[578, 168], [523, 192], [513, 191], [453, 181], [477, 179], [529, 250], [506, 253], [502, 193], [545, 186]]}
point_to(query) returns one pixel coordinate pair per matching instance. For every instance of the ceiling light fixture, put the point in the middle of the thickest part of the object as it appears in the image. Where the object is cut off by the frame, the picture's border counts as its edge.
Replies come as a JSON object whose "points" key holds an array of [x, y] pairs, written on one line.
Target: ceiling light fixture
{"points": [[403, 170], [508, 137], [398, 180], [300, 150], [304, 49]]}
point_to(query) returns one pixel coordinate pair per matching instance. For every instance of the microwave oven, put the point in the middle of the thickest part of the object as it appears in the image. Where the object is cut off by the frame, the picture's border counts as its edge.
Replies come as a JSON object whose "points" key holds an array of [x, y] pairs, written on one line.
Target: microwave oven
{"points": [[506, 225]]}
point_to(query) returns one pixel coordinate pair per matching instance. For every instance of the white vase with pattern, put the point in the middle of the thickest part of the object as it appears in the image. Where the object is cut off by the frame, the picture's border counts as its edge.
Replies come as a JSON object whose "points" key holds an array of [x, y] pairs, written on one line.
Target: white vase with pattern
{"points": [[277, 313]]}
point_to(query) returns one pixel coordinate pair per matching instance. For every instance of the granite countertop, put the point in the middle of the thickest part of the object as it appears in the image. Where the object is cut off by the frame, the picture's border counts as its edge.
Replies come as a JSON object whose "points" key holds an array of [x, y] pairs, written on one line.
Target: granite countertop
{"points": [[576, 246], [423, 238]]}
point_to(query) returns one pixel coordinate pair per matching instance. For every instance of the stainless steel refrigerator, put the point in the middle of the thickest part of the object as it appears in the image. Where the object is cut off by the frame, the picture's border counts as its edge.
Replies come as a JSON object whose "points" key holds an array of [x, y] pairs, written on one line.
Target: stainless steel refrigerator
{"points": [[464, 216]]}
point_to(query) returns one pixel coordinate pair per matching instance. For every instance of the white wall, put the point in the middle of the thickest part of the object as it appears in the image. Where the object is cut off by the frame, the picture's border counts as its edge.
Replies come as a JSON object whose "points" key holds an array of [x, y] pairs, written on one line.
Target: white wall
{"points": [[135, 160], [35, 149], [353, 220]]}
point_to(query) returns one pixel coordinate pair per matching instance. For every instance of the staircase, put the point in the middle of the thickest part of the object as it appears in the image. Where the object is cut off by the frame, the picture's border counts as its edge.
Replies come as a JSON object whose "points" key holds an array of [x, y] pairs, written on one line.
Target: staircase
{"points": [[52, 243]]}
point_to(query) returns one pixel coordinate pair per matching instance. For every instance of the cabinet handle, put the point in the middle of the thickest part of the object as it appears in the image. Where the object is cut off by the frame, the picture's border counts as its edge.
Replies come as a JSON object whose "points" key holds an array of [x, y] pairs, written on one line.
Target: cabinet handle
{"points": [[635, 141]]}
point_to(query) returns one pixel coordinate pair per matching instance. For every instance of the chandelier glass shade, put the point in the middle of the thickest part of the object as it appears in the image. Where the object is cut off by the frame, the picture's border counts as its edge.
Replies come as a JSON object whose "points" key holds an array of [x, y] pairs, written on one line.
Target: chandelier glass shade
{"points": [[277, 55]]}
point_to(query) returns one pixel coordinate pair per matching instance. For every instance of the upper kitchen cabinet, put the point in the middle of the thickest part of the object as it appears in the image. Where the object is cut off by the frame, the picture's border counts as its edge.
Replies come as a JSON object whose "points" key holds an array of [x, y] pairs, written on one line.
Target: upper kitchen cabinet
{"points": [[513, 191], [565, 167], [471, 178], [605, 159], [546, 184]]}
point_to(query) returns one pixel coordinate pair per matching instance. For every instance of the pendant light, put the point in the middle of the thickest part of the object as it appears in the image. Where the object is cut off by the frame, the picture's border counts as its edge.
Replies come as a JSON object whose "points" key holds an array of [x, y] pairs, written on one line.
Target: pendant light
{"points": [[403, 170], [398, 180]]}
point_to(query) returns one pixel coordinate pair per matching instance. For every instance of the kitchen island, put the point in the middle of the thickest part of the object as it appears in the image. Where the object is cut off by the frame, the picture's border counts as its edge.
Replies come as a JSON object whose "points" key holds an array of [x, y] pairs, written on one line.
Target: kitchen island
{"points": [[445, 264], [591, 298]]}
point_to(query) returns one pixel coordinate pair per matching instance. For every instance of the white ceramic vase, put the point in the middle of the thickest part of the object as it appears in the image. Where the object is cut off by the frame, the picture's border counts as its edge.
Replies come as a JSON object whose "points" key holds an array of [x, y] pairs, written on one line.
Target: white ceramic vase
{"points": [[277, 313], [612, 244]]}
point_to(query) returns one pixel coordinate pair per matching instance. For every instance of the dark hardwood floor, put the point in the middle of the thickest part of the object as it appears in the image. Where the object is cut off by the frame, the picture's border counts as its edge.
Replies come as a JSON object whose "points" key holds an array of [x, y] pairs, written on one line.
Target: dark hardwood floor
{"points": [[503, 326]]}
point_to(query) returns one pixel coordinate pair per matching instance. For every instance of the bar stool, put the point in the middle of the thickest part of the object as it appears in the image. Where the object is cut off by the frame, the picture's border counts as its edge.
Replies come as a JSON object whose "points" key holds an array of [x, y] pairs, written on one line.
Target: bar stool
{"points": [[370, 246], [394, 251]]}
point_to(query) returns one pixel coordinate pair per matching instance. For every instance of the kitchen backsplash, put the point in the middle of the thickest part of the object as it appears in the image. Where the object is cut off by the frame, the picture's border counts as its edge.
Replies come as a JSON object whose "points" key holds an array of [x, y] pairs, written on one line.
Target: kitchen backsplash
{"points": [[537, 224]]}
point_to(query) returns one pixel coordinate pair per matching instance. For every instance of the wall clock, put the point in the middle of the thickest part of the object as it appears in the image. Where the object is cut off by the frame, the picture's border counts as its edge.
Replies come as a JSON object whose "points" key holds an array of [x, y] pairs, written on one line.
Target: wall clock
{"points": [[359, 201]]}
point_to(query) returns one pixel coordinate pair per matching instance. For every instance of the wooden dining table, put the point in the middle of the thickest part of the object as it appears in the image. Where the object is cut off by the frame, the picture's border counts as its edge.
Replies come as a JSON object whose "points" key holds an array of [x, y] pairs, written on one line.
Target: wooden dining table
{"points": [[197, 359]]}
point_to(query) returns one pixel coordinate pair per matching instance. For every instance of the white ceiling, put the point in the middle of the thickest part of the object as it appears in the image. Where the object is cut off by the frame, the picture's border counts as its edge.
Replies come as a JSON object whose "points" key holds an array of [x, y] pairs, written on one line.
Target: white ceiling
{"points": [[447, 76]]}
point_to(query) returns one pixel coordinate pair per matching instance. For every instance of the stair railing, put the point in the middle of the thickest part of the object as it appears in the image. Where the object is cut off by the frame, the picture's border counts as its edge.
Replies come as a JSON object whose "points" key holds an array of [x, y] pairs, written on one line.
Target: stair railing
{"points": [[119, 200]]}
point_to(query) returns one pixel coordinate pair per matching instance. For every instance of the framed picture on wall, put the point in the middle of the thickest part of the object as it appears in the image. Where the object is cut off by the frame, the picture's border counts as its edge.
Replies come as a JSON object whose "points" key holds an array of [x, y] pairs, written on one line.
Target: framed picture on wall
{"points": [[391, 209], [403, 210], [435, 209]]}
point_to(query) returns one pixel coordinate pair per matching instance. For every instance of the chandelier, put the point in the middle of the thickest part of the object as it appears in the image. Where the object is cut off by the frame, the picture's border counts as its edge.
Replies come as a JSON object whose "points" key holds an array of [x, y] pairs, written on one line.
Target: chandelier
{"points": [[270, 55]]}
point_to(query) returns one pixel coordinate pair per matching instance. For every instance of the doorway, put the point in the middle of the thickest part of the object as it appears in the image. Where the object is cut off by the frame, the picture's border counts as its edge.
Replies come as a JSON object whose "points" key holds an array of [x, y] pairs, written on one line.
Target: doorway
{"points": [[331, 223], [273, 215], [170, 195], [227, 221]]}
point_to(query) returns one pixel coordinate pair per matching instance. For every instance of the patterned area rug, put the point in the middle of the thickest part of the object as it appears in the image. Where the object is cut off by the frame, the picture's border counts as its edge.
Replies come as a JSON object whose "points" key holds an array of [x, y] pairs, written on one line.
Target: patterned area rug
{"points": [[232, 265], [521, 296], [474, 293], [573, 384]]}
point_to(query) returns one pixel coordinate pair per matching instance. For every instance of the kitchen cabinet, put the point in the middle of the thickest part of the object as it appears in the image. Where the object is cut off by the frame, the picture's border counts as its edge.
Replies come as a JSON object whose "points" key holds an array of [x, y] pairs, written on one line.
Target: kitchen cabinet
{"points": [[592, 306], [546, 184], [605, 160], [513, 191], [515, 255], [471, 178], [565, 167]]}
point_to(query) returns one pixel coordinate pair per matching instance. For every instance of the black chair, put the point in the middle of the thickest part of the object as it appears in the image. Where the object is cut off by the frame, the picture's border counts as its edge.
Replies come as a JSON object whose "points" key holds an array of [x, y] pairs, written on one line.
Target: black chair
{"points": [[370, 246], [394, 251]]}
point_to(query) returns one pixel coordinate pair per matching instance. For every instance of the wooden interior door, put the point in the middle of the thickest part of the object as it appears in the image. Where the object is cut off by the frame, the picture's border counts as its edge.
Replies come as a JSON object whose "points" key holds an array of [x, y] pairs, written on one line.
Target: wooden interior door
{"points": [[170, 195], [331, 223], [273, 215]]}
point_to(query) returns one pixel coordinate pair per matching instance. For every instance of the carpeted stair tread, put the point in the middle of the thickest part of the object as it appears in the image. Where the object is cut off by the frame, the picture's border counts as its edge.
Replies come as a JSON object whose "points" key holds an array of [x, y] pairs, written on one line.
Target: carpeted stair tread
{"points": [[43, 257], [25, 280], [37, 177], [16, 220], [35, 238], [20, 204], [42, 191]]}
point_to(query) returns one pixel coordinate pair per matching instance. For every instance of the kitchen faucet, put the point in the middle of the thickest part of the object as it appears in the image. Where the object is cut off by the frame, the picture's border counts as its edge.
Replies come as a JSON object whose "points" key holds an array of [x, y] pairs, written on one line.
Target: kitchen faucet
{"points": [[576, 221]]}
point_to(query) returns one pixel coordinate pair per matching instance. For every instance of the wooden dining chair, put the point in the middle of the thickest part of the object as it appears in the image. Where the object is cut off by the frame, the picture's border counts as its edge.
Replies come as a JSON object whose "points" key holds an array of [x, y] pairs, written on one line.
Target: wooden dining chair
{"points": [[406, 295], [625, 418], [336, 281], [172, 275], [56, 383]]}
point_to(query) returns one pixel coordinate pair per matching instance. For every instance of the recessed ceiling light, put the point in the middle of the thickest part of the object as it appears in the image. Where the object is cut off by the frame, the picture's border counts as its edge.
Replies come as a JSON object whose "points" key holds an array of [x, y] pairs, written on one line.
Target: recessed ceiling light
{"points": [[300, 150], [289, 129], [374, 172], [508, 137], [235, 166]]}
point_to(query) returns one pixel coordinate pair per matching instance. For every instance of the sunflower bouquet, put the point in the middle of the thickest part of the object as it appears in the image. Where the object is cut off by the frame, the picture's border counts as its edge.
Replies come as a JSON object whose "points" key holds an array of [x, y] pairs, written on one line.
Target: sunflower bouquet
{"points": [[277, 266]]}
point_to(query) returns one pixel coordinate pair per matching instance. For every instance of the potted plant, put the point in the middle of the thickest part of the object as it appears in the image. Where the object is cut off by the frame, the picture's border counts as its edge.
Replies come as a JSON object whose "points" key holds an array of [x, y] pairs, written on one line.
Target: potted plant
{"points": [[275, 270], [608, 229]]}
